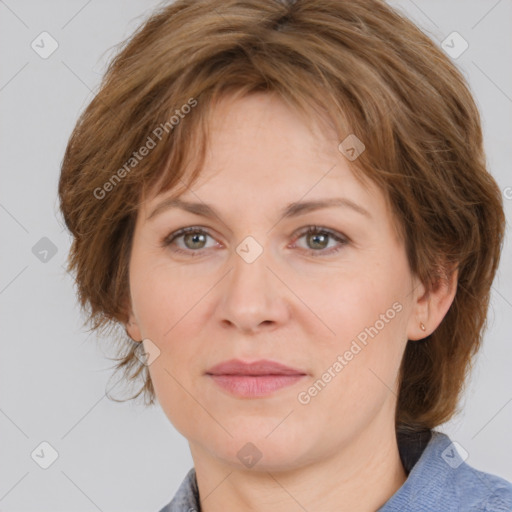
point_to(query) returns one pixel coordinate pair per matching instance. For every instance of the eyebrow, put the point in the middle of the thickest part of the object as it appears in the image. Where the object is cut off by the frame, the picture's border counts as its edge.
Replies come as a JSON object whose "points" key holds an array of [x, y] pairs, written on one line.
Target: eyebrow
{"points": [[292, 210]]}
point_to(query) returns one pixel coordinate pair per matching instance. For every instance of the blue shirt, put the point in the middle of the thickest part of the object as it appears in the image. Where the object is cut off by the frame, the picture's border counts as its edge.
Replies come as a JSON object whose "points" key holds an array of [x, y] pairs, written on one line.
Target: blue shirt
{"points": [[438, 480]]}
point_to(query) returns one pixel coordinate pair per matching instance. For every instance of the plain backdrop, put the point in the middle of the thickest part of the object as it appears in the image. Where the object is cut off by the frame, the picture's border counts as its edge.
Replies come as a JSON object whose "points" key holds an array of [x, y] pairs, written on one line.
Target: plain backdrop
{"points": [[53, 375]]}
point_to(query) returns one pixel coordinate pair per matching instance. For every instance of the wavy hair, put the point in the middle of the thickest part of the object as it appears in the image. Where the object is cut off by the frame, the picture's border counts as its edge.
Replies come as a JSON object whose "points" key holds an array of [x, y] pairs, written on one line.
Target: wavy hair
{"points": [[360, 64]]}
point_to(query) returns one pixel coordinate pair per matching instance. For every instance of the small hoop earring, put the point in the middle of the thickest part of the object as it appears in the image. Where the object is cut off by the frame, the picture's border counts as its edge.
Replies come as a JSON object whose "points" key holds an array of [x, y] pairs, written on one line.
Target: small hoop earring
{"points": [[422, 326]]}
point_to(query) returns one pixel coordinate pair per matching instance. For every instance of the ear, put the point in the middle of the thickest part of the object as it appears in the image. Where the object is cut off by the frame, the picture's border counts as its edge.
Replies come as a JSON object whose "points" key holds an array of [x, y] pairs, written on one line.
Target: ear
{"points": [[132, 328], [430, 307]]}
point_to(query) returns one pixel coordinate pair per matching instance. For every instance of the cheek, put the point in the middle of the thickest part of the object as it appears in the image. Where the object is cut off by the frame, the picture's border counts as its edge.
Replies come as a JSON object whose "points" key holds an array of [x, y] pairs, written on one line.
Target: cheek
{"points": [[175, 393], [159, 293], [367, 313], [350, 302], [356, 374]]}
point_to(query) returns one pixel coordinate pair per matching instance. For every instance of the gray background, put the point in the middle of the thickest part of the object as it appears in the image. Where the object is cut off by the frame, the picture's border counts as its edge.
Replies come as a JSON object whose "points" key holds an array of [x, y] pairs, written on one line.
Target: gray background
{"points": [[53, 375]]}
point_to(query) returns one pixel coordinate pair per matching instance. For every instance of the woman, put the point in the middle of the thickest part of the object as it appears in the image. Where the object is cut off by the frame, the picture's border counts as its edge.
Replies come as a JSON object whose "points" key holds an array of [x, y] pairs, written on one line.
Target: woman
{"points": [[287, 207]]}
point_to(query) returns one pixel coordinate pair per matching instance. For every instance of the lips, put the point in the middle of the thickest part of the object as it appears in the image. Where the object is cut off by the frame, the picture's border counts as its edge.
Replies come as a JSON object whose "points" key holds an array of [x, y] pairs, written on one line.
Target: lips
{"points": [[253, 380], [261, 367]]}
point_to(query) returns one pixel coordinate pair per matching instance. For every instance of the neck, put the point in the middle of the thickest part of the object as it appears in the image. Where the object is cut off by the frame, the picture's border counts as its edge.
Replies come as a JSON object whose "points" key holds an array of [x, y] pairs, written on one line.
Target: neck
{"points": [[358, 477]]}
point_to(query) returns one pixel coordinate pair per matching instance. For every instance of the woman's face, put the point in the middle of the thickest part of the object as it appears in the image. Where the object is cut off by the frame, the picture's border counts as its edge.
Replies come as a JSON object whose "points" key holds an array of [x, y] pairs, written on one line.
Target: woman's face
{"points": [[249, 284]]}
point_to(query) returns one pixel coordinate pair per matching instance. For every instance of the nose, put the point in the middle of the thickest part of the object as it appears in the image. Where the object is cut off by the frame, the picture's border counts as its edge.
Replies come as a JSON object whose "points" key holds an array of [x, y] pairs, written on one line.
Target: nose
{"points": [[253, 298]]}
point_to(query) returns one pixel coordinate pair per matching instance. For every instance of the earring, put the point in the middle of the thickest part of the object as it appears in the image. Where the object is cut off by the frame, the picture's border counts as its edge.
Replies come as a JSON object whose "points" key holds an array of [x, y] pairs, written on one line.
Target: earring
{"points": [[422, 326]]}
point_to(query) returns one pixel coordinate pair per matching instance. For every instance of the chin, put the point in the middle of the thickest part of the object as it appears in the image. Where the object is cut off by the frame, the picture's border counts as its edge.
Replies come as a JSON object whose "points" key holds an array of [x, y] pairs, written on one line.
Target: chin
{"points": [[252, 448]]}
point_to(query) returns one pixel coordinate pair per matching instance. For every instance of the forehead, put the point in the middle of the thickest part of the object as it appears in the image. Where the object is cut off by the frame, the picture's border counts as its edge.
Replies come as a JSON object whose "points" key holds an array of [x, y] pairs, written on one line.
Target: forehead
{"points": [[257, 144], [261, 123], [262, 153]]}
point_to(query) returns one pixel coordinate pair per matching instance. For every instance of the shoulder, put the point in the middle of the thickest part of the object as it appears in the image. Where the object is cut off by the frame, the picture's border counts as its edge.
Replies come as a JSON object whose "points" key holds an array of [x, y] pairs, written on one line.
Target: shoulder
{"points": [[471, 489], [186, 498], [481, 491], [500, 501], [441, 479]]}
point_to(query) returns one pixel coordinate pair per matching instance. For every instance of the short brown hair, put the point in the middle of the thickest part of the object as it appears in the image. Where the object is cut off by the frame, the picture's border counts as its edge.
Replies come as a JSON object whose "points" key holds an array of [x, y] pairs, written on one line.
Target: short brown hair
{"points": [[360, 64]]}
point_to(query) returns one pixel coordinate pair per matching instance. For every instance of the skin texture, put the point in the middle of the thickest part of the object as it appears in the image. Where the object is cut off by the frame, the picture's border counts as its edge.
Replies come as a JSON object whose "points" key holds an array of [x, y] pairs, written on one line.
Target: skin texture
{"points": [[338, 451]]}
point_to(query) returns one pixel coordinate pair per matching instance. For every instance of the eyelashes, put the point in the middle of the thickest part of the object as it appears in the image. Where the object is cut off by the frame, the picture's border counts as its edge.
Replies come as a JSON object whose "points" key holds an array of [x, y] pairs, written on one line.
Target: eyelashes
{"points": [[325, 233], [315, 232], [169, 241]]}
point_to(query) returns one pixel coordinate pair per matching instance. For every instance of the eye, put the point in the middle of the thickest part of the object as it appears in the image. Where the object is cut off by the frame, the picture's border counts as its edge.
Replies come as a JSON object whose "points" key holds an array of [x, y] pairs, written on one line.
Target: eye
{"points": [[318, 238], [194, 239]]}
